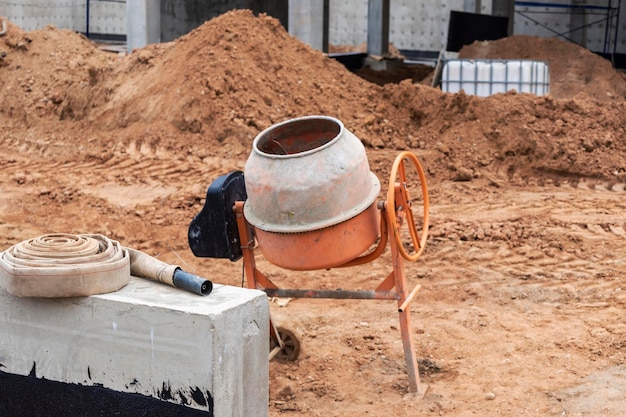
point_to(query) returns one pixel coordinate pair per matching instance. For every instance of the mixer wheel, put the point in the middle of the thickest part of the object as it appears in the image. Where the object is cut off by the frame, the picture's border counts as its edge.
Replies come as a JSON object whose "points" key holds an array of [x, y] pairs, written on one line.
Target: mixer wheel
{"points": [[399, 205], [291, 345]]}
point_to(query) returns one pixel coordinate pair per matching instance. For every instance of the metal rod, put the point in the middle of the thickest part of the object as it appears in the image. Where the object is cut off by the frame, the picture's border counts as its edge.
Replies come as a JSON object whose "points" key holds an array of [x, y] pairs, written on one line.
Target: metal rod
{"points": [[325, 24], [619, 6], [275, 352], [275, 336], [409, 298], [336, 294], [87, 18]]}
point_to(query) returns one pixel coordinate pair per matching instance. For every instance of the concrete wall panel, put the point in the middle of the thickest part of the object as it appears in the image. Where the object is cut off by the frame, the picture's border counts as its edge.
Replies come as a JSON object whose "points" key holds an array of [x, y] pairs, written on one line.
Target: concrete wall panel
{"points": [[414, 25], [106, 17], [348, 22]]}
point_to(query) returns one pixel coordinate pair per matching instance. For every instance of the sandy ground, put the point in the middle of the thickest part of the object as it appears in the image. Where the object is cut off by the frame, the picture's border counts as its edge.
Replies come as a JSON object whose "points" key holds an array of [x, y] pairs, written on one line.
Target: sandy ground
{"points": [[521, 307]]}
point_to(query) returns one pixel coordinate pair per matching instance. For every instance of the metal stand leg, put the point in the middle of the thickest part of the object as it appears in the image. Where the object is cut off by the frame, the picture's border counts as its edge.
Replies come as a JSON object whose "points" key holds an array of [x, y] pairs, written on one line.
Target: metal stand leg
{"points": [[397, 279], [252, 277], [405, 318]]}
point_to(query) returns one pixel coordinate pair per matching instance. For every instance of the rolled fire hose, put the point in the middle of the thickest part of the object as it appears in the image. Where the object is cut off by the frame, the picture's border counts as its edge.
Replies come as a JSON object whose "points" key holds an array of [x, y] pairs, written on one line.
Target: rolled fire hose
{"points": [[65, 265]]}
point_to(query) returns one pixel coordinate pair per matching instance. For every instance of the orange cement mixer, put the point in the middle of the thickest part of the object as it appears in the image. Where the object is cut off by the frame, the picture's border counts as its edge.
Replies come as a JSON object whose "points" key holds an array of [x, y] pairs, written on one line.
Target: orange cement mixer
{"points": [[308, 200]]}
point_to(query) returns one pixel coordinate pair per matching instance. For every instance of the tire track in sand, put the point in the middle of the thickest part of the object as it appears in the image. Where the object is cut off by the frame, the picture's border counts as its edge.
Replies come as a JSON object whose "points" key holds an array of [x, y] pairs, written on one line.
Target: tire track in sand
{"points": [[556, 245], [121, 178]]}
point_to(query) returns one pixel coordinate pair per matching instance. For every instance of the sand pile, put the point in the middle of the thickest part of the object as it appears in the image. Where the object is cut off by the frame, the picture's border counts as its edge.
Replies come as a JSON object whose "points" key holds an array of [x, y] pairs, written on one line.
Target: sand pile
{"points": [[573, 69], [211, 91]]}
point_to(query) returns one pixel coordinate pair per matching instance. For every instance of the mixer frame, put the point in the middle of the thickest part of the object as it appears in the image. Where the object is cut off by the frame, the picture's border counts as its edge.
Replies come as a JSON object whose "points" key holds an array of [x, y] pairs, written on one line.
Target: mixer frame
{"points": [[396, 210]]}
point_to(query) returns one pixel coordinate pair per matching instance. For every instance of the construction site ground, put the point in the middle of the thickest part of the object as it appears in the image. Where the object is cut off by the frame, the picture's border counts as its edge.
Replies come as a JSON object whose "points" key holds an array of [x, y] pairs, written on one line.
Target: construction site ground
{"points": [[521, 310]]}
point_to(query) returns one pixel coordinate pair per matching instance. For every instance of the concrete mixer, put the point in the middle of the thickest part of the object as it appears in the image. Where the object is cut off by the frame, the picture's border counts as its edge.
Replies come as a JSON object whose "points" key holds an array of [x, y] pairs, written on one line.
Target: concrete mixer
{"points": [[308, 201]]}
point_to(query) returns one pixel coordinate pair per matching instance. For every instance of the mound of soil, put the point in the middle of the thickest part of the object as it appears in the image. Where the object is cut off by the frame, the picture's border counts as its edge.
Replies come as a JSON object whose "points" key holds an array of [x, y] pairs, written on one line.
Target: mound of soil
{"points": [[573, 69], [215, 88]]}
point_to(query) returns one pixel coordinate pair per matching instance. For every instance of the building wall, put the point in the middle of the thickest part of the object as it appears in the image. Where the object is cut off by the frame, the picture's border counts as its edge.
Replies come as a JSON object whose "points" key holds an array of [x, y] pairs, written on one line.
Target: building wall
{"points": [[105, 17], [414, 25]]}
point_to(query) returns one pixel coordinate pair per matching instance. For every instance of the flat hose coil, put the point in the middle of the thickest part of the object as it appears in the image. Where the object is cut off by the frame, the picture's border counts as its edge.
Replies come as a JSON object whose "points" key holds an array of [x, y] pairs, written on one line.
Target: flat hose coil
{"points": [[64, 265]]}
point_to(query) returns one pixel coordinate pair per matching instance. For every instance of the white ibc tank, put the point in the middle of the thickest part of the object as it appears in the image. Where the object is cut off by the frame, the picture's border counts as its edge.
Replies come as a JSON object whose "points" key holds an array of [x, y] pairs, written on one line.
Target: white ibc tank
{"points": [[486, 77]]}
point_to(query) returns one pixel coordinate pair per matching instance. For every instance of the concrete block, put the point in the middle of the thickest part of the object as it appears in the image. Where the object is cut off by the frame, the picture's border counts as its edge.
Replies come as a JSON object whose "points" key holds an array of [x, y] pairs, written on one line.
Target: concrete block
{"points": [[177, 352]]}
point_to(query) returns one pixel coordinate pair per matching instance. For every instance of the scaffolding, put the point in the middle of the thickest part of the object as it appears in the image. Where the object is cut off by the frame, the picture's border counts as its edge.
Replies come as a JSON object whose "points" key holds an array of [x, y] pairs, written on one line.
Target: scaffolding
{"points": [[607, 14]]}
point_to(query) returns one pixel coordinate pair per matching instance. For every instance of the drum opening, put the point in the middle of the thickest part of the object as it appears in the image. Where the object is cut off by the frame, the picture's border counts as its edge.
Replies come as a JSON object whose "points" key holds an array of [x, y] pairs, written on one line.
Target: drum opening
{"points": [[298, 136]]}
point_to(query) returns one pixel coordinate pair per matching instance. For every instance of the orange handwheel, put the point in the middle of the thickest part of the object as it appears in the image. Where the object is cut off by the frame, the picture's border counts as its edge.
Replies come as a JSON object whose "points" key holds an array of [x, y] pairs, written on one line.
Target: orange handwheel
{"points": [[399, 206]]}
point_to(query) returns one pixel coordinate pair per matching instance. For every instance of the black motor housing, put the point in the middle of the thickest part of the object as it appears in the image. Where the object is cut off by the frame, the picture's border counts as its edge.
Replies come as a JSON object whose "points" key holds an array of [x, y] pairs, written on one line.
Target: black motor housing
{"points": [[213, 232]]}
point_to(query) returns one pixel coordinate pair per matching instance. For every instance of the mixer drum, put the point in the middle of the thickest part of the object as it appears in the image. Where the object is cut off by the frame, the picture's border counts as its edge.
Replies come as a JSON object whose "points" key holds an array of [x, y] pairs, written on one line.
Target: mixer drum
{"points": [[311, 196]]}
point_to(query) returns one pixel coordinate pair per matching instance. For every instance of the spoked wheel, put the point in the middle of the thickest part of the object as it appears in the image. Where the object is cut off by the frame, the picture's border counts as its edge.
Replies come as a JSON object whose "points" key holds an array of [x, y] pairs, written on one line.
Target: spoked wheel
{"points": [[291, 345], [399, 206]]}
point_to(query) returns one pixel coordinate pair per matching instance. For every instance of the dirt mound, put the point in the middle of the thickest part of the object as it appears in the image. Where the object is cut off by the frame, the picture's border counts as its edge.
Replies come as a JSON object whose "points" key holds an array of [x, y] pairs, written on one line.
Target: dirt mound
{"points": [[213, 90], [573, 69], [513, 135], [42, 69], [227, 80]]}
